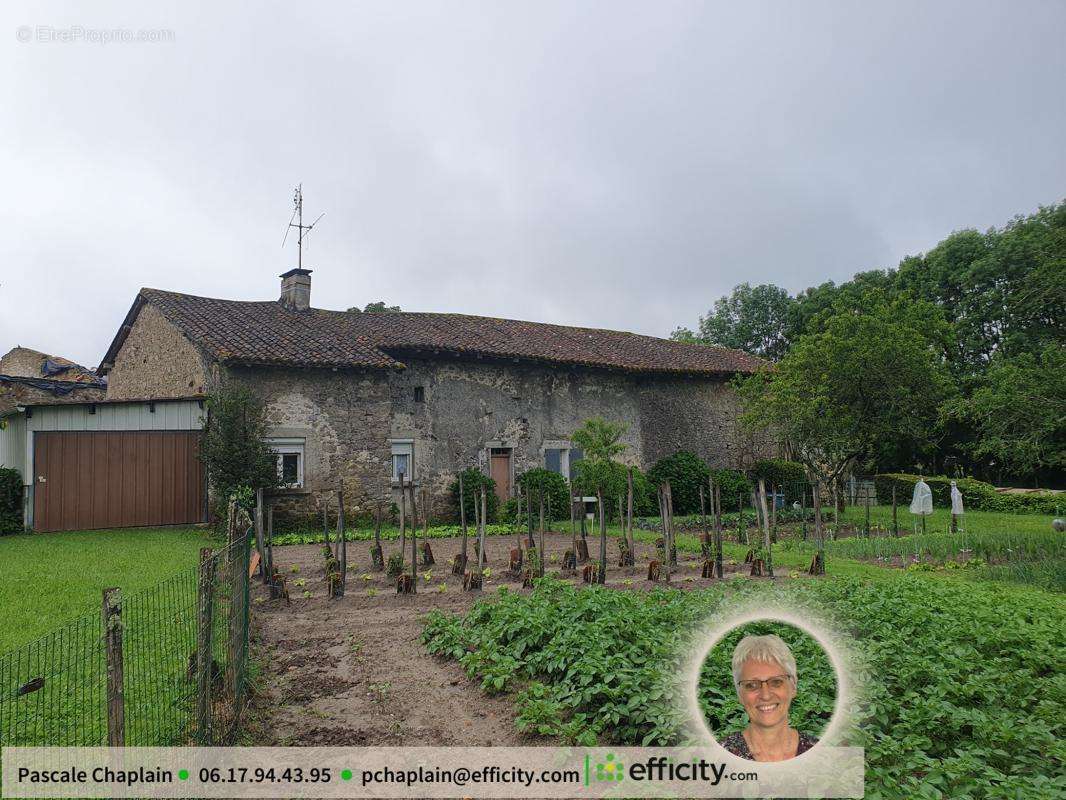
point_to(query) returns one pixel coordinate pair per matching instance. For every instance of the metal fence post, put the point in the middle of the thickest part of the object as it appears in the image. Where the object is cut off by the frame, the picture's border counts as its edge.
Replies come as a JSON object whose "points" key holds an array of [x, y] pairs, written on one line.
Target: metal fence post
{"points": [[204, 656], [116, 712]]}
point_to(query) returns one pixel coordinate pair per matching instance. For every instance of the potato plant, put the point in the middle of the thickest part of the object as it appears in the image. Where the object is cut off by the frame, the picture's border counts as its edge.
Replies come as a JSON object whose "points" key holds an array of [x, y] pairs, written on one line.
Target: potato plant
{"points": [[963, 681]]}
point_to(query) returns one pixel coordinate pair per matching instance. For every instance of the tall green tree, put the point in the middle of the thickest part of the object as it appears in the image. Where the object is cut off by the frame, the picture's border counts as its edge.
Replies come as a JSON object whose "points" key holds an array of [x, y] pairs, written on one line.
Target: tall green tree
{"points": [[751, 318], [233, 446], [867, 377], [1019, 412], [600, 439]]}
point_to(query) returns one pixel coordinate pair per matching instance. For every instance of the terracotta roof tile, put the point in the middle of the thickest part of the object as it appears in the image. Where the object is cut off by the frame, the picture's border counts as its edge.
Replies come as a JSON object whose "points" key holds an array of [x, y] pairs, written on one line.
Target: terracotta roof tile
{"points": [[270, 333]]}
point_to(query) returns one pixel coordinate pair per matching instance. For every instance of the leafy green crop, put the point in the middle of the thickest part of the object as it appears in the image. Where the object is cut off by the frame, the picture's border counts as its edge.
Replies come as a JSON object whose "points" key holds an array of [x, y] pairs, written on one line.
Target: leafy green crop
{"points": [[964, 681]]}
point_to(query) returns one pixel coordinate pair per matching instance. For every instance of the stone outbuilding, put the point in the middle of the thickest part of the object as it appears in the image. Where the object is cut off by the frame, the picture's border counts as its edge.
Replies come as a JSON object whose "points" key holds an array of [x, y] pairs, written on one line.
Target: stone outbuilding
{"points": [[354, 398]]}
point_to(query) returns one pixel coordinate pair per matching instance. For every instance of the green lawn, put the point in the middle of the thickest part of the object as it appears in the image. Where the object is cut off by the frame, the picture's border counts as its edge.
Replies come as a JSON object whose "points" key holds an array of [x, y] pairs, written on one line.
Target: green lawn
{"points": [[50, 578]]}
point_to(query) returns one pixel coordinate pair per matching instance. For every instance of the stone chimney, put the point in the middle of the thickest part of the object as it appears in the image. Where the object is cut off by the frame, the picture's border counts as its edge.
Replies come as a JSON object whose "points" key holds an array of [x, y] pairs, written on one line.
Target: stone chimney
{"points": [[296, 289]]}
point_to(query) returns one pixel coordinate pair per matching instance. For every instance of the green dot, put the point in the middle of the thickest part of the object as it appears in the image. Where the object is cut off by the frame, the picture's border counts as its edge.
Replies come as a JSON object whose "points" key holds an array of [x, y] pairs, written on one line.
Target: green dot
{"points": [[183, 774], [346, 774]]}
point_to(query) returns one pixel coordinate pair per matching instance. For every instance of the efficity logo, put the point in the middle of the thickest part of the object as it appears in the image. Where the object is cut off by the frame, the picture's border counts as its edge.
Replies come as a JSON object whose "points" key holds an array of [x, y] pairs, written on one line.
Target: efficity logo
{"points": [[657, 768], [609, 769]]}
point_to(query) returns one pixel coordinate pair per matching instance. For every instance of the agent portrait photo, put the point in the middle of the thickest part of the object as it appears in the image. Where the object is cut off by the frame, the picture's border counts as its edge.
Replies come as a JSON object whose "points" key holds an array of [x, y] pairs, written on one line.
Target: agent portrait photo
{"points": [[764, 674]]}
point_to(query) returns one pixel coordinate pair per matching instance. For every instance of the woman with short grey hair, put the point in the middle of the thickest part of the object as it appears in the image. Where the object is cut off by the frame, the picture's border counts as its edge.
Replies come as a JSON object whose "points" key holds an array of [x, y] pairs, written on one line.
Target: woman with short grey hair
{"points": [[764, 674]]}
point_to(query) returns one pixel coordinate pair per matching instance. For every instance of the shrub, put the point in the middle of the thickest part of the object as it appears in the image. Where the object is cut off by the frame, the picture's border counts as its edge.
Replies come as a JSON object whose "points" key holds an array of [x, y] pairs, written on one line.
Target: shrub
{"points": [[232, 446], [733, 483], [10, 501], [473, 479], [976, 495], [686, 473], [613, 477], [555, 488], [788, 476]]}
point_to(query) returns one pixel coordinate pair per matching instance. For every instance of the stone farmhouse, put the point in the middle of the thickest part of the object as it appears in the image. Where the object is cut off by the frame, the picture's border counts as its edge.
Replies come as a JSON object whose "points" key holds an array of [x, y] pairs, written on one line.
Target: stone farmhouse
{"points": [[353, 399]]}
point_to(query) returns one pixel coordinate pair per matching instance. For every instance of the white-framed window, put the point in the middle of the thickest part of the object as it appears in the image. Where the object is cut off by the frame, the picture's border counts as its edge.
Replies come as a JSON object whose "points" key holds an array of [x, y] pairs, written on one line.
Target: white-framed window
{"points": [[560, 456], [289, 455], [403, 459]]}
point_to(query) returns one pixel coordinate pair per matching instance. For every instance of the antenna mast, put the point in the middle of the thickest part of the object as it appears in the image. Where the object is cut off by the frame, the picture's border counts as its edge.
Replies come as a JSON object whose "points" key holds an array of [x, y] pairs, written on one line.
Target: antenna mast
{"points": [[298, 215]]}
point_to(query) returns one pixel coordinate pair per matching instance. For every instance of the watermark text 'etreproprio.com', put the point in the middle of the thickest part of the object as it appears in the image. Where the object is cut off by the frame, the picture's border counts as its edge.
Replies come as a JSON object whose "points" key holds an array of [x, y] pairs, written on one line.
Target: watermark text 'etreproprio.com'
{"points": [[80, 34]]}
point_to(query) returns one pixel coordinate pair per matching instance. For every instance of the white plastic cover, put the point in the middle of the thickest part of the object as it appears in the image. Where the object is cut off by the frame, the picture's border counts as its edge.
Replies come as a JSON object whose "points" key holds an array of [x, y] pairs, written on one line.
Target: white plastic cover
{"points": [[922, 502], [956, 500]]}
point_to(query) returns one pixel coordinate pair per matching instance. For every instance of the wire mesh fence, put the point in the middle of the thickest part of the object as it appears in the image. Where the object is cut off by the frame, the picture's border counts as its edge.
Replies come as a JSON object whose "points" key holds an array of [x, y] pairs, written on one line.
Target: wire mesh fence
{"points": [[133, 673]]}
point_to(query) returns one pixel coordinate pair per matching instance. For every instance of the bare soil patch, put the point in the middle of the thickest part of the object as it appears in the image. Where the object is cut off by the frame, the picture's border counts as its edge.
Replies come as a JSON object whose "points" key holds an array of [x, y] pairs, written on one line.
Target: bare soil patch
{"points": [[354, 671]]}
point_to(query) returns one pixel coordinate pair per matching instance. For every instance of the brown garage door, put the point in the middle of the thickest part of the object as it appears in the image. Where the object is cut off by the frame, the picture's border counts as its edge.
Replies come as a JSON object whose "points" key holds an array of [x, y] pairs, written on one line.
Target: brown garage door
{"points": [[116, 479]]}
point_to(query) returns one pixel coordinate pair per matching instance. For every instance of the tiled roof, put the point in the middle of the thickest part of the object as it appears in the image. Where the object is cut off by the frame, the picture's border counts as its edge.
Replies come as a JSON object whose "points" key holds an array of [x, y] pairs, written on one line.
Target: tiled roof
{"points": [[270, 333]]}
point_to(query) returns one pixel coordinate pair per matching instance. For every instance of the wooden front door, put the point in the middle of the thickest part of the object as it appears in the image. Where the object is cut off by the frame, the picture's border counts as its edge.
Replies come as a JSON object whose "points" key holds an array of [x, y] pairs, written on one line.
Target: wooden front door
{"points": [[116, 479], [500, 471]]}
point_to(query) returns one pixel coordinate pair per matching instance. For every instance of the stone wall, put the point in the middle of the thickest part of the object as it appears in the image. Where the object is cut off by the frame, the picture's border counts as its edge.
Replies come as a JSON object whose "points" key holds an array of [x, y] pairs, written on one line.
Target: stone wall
{"points": [[156, 361], [471, 406], [16, 393], [343, 418], [700, 415], [348, 419]]}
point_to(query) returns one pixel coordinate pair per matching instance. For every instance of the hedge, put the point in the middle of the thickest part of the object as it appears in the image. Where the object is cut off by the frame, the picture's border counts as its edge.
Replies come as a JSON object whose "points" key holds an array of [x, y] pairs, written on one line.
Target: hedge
{"points": [[10, 501], [687, 474], [556, 493], [788, 476], [976, 495], [733, 483], [472, 479]]}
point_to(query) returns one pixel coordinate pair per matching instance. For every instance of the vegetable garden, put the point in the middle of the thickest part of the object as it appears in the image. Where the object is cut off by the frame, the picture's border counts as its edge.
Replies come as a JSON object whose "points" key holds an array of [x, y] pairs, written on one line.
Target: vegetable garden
{"points": [[962, 683]]}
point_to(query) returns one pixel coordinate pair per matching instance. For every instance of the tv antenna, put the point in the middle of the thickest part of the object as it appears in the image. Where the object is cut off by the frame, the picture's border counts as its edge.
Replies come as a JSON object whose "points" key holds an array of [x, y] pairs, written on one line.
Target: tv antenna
{"points": [[298, 215]]}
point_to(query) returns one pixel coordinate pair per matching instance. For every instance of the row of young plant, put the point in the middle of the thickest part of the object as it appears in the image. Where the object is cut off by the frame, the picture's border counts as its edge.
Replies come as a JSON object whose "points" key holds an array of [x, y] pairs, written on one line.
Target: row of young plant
{"points": [[959, 683]]}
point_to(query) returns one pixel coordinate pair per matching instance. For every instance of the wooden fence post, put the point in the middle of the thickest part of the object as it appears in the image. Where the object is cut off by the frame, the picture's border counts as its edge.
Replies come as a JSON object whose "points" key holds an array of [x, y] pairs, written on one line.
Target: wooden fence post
{"points": [[204, 658], [259, 537], [236, 615], [116, 710], [274, 590]]}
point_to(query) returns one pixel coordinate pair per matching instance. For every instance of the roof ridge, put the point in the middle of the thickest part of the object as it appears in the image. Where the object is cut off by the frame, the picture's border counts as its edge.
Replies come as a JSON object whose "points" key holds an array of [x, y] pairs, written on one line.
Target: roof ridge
{"points": [[268, 332]]}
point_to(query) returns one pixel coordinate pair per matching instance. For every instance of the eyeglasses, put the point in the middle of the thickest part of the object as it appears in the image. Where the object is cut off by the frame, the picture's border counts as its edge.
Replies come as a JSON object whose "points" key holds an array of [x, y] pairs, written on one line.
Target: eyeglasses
{"points": [[775, 683]]}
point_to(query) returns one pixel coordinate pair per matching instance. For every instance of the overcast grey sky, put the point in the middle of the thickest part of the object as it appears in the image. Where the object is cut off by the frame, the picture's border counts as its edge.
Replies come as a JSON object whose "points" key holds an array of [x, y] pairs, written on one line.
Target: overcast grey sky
{"points": [[598, 163]]}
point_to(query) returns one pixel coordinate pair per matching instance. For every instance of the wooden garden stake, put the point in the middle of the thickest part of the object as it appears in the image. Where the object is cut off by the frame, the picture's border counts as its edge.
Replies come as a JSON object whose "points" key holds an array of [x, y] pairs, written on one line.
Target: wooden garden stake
{"points": [[342, 543], [377, 555], [460, 562], [325, 521], [836, 505], [818, 563], [716, 497], [403, 522], [773, 517], [867, 503], [204, 659], [542, 554], [602, 576], [116, 709], [742, 528], [414, 541], [427, 548], [895, 519], [765, 528], [629, 517], [481, 558]]}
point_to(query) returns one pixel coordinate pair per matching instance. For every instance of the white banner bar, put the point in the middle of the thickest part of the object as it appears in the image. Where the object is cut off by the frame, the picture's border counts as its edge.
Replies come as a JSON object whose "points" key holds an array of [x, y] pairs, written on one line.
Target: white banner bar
{"points": [[505, 772]]}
